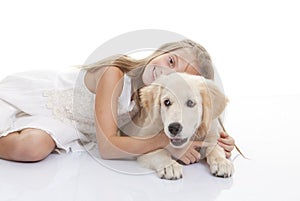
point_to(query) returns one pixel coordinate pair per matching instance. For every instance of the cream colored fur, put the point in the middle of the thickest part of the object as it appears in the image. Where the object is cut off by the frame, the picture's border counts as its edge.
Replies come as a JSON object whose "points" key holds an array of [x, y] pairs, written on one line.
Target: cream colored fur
{"points": [[186, 107]]}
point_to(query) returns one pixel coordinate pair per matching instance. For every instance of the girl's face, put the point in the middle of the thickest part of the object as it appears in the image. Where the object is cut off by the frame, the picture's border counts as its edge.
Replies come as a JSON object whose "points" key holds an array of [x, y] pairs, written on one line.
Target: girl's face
{"points": [[176, 61]]}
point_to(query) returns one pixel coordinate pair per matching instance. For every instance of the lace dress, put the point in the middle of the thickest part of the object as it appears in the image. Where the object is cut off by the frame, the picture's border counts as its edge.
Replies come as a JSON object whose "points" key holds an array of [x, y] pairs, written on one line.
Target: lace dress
{"points": [[58, 103]]}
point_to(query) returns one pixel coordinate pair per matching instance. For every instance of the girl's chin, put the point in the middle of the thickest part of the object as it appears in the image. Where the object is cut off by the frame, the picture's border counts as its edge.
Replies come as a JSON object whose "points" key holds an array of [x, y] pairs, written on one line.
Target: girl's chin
{"points": [[148, 76], [147, 80]]}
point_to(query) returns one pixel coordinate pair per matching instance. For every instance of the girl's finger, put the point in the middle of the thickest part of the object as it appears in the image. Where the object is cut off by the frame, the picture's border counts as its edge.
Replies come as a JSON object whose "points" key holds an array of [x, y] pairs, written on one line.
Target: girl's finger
{"points": [[184, 160], [225, 141], [223, 134], [227, 154], [228, 140], [196, 155], [226, 147], [191, 158]]}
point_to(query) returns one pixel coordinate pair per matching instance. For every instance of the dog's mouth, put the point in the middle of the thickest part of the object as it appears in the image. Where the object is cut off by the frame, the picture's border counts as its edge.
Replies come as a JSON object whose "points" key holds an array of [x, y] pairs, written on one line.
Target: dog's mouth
{"points": [[178, 142]]}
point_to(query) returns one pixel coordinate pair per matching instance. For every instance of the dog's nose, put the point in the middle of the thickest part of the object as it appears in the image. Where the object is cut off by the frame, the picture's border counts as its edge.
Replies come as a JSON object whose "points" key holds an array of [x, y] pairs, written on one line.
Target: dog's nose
{"points": [[175, 128]]}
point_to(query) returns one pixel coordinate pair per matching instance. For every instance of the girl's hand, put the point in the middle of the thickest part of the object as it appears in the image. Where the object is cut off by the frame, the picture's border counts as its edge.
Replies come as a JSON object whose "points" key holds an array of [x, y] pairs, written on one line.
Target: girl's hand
{"points": [[189, 153], [227, 143]]}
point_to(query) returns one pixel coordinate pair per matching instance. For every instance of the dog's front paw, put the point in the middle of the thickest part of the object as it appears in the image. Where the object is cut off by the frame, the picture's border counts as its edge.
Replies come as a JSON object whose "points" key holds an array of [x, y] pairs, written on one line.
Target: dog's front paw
{"points": [[171, 171], [222, 167]]}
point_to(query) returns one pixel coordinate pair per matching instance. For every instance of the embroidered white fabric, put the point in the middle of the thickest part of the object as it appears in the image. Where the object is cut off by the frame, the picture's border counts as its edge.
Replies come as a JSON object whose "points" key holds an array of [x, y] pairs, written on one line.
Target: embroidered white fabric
{"points": [[77, 105]]}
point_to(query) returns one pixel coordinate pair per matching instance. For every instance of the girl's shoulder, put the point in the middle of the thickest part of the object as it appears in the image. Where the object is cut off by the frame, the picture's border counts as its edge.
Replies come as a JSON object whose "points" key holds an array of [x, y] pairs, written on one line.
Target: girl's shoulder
{"points": [[93, 78]]}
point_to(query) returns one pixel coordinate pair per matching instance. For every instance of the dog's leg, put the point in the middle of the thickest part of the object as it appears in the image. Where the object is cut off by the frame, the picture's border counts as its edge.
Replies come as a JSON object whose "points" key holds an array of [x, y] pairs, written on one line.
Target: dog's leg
{"points": [[219, 165], [162, 162]]}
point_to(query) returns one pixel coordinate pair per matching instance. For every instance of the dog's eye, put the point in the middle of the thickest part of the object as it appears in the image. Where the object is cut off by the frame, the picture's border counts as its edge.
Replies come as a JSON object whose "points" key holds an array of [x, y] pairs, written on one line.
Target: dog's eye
{"points": [[190, 103], [167, 102]]}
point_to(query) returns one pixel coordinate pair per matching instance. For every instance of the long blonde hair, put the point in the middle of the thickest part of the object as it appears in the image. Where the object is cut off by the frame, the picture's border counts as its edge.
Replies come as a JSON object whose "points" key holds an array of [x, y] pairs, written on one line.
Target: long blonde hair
{"points": [[135, 67], [128, 64]]}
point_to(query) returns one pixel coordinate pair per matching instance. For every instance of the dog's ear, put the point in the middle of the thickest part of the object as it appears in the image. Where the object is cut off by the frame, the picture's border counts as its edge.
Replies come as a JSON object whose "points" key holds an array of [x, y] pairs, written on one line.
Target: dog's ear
{"points": [[150, 95], [213, 104], [213, 98]]}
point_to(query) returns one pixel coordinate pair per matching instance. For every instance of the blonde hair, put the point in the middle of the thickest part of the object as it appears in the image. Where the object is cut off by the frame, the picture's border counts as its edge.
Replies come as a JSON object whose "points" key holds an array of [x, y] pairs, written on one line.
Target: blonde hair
{"points": [[135, 67], [130, 65]]}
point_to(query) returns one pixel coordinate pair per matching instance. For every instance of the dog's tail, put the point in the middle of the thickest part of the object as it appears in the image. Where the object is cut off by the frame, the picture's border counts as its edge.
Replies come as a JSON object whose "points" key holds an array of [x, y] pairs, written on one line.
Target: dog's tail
{"points": [[223, 128]]}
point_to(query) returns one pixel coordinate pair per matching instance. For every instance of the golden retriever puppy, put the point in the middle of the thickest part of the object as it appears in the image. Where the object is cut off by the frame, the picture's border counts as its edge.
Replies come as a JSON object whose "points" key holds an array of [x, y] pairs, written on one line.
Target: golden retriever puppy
{"points": [[186, 107]]}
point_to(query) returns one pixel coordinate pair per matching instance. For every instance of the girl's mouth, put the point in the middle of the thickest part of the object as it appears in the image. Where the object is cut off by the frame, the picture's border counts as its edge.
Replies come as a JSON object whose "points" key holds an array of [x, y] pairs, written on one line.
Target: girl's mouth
{"points": [[154, 73]]}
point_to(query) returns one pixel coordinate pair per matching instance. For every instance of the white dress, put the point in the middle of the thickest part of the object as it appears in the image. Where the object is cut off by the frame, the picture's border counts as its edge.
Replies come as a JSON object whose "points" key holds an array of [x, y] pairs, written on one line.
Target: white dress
{"points": [[58, 103]]}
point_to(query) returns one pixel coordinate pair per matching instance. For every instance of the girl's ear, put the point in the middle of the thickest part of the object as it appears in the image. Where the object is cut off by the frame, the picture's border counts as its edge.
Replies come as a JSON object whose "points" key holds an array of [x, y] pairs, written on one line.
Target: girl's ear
{"points": [[213, 103]]}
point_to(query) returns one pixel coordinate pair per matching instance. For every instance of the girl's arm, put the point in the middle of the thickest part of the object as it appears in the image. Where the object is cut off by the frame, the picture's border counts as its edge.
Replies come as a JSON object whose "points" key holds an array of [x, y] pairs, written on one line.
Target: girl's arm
{"points": [[111, 146]]}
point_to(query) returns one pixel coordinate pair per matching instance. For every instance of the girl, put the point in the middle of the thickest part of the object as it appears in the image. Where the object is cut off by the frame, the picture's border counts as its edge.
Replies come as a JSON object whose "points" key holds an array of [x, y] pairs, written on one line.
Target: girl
{"points": [[46, 111]]}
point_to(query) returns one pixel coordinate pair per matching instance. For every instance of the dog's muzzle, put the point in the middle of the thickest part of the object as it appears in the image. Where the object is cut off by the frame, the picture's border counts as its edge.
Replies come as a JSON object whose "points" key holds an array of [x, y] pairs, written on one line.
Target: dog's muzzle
{"points": [[174, 132]]}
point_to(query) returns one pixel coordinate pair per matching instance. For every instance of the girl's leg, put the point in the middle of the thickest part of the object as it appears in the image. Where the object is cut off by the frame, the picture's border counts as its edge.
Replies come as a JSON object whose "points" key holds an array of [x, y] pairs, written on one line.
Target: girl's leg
{"points": [[27, 145]]}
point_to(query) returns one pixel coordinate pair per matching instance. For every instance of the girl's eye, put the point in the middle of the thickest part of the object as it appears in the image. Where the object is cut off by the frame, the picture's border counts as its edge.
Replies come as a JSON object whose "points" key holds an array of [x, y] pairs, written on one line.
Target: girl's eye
{"points": [[167, 102], [171, 61]]}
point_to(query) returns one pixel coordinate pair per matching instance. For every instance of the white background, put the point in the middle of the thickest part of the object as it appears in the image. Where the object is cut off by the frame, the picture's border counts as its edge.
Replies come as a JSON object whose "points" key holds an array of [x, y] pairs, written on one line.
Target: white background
{"points": [[254, 46]]}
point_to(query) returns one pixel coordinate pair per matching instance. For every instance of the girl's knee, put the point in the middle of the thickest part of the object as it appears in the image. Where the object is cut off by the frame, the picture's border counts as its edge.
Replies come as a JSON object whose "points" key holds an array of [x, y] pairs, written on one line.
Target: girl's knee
{"points": [[32, 145]]}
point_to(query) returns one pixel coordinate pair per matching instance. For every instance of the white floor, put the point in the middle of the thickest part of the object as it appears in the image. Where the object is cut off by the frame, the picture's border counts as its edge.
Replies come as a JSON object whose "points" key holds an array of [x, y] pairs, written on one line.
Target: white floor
{"points": [[265, 129]]}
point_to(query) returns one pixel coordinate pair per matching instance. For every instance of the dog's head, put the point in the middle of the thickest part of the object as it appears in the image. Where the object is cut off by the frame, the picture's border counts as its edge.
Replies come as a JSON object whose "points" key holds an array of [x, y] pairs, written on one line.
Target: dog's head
{"points": [[185, 104]]}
